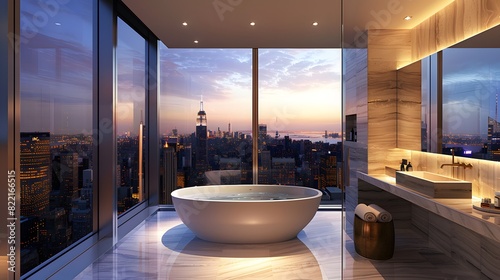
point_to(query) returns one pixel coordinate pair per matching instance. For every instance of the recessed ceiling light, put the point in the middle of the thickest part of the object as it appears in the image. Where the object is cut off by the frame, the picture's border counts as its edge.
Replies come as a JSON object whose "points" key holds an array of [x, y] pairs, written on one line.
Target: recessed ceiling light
{"points": [[185, 23], [252, 23], [315, 23], [57, 23], [196, 41], [408, 17]]}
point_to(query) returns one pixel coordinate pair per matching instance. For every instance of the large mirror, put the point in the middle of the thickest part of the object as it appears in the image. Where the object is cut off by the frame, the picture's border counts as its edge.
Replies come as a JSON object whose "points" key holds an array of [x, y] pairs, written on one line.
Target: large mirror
{"points": [[461, 86]]}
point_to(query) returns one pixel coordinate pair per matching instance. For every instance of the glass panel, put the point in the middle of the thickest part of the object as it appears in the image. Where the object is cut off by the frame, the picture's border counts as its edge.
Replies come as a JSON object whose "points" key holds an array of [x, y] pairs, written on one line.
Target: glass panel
{"points": [[130, 116], [56, 162], [470, 102], [205, 118], [300, 119]]}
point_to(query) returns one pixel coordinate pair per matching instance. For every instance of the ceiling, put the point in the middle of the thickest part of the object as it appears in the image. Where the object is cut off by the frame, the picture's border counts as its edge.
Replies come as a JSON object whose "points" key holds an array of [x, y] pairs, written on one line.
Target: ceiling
{"points": [[278, 23]]}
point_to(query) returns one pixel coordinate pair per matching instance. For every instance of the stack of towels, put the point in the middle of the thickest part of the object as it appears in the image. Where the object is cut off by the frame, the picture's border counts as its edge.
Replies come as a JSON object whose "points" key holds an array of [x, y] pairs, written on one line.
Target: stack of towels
{"points": [[372, 213]]}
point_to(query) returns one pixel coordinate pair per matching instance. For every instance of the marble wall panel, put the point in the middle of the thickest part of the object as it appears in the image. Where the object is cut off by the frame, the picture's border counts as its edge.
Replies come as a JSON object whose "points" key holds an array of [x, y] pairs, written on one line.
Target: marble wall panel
{"points": [[387, 48], [351, 200], [394, 156], [382, 86], [456, 22], [409, 107], [355, 154], [409, 125], [354, 79], [381, 133]]}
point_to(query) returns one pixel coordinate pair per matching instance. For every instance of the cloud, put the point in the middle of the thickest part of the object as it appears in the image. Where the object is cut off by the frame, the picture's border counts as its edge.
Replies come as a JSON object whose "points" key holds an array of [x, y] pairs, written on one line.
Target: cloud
{"points": [[213, 73], [298, 71]]}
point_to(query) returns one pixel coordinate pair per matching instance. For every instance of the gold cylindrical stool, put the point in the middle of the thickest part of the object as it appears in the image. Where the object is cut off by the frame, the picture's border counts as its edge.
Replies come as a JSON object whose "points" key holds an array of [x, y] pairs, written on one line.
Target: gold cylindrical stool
{"points": [[374, 240]]}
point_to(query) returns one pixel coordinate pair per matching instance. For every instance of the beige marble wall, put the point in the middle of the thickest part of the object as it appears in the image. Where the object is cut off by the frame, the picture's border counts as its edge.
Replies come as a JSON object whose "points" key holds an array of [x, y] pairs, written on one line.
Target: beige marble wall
{"points": [[393, 97], [355, 103], [458, 21], [409, 106], [392, 108], [384, 51]]}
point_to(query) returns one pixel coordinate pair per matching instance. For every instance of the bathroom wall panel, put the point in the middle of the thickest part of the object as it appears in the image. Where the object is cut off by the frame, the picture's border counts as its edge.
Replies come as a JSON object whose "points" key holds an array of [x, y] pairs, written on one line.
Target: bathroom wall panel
{"points": [[409, 98], [381, 133], [386, 48], [351, 200], [456, 22]]}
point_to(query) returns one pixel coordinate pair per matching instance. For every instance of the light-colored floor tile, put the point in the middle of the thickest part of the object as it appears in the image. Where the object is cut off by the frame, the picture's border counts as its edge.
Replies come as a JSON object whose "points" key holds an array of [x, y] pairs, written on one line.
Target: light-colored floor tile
{"points": [[163, 248]]}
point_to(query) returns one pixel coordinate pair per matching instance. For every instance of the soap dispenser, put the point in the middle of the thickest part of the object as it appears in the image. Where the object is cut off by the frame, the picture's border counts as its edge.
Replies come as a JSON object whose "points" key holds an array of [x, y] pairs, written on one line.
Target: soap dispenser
{"points": [[403, 165], [409, 167]]}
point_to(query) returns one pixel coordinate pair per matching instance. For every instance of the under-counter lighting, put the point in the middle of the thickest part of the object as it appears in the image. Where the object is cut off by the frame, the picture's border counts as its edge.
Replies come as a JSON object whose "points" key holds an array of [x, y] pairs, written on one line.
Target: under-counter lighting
{"points": [[408, 17]]}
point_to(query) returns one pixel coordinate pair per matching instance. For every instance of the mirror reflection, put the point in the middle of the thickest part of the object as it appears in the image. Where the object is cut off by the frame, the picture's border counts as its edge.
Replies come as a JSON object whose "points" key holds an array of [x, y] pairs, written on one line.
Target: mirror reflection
{"points": [[464, 94]]}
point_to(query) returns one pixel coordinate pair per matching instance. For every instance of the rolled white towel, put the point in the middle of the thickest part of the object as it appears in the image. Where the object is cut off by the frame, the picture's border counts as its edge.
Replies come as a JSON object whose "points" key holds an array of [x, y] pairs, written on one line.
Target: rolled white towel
{"points": [[365, 213], [381, 214]]}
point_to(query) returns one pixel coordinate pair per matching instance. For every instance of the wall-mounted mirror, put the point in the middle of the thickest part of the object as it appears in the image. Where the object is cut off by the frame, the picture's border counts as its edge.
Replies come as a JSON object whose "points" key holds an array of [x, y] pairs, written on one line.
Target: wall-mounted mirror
{"points": [[465, 94]]}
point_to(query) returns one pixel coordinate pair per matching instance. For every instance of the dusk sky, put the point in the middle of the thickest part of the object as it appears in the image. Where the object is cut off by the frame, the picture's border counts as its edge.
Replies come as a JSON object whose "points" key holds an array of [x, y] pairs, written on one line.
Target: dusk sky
{"points": [[299, 89]]}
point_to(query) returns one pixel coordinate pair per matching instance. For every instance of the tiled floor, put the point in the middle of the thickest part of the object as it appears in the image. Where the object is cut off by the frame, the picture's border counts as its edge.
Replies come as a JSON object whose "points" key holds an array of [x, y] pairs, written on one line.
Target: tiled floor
{"points": [[163, 248]]}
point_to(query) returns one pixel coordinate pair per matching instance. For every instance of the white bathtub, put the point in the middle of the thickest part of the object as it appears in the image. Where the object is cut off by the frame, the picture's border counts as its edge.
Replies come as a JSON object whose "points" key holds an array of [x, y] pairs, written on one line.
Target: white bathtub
{"points": [[246, 213]]}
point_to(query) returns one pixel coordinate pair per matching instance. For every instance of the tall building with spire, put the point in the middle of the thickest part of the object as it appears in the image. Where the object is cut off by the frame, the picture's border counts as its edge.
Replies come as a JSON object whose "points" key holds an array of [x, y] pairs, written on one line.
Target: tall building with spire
{"points": [[201, 148]]}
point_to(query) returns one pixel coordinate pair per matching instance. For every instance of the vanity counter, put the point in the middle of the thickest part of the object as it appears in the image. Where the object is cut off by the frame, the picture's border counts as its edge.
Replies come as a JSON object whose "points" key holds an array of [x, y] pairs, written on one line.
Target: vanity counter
{"points": [[458, 210]]}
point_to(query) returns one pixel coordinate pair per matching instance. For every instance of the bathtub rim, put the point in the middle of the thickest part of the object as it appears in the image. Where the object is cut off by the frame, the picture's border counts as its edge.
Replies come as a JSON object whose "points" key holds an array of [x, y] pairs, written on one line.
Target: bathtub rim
{"points": [[315, 193]]}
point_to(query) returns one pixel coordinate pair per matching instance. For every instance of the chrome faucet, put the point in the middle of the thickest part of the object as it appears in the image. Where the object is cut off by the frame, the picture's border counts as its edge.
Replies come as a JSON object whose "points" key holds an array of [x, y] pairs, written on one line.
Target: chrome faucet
{"points": [[453, 163]]}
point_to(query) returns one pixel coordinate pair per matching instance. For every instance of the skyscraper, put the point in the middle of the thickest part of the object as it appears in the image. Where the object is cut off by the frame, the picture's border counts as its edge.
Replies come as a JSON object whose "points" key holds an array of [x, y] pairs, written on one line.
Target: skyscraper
{"points": [[169, 171], [201, 151], [35, 173]]}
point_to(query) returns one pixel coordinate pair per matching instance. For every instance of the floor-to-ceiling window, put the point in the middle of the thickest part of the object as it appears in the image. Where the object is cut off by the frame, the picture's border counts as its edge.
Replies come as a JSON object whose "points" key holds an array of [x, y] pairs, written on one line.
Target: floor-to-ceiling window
{"points": [[206, 112], [130, 112], [56, 145], [300, 119], [205, 118]]}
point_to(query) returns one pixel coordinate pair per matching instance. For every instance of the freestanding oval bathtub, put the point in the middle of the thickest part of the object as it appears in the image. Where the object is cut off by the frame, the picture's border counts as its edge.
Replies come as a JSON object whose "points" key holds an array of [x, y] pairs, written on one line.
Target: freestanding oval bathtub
{"points": [[246, 213]]}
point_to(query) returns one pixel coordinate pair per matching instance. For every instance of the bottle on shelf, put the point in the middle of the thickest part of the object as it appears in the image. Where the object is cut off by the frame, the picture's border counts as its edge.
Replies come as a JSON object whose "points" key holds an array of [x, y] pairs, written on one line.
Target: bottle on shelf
{"points": [[409, 167]]}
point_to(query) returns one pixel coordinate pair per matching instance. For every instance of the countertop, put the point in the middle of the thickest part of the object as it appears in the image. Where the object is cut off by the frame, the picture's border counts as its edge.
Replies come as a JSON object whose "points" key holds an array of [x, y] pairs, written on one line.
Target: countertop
{"points": [[459, 211]]}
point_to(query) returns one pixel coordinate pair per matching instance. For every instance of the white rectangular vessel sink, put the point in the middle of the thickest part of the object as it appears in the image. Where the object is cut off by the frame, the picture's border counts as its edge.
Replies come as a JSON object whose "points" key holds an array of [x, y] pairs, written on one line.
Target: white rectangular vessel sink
{"points": [[434, 185]]}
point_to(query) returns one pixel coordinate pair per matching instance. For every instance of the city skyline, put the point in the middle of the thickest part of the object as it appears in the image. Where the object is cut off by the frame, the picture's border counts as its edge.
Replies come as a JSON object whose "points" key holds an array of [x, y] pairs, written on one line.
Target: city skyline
{"points": [[52, 104], [298, 89]]}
